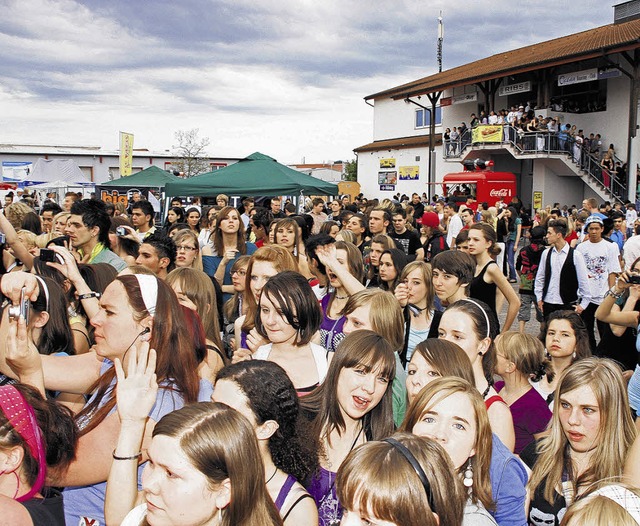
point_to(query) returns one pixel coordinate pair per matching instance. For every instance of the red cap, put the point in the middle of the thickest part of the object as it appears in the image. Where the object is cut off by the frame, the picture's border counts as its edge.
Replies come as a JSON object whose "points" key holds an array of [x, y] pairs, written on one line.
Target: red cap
{"points": [[430, 219]]}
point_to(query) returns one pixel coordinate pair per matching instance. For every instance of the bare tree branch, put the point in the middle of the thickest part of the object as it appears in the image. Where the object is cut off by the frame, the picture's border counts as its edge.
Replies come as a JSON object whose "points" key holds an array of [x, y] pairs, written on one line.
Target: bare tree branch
{"points": [[190, 152]]}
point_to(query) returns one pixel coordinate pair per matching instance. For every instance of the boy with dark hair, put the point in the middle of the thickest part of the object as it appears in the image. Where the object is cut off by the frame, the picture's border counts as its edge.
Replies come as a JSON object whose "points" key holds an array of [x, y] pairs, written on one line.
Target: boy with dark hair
{"points": [[452, 272], [142, 214], [158, 254], [48, 210], [88, 231]]}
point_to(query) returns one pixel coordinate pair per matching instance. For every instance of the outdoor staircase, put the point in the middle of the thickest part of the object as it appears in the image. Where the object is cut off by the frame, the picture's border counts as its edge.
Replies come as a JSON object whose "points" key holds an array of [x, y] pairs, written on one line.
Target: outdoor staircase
{"points": [[526, 147]]}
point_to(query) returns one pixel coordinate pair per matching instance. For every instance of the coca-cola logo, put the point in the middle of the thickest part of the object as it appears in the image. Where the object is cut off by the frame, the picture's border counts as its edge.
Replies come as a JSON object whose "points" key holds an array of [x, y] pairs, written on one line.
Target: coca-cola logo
{"points": [[503, 192]]}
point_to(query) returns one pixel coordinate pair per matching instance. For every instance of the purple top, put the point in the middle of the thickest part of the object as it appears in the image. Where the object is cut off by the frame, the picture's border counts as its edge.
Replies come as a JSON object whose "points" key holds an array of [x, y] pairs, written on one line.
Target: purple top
{"points": [[284, 491], [330, 330], [530, 414], [322, 488]]}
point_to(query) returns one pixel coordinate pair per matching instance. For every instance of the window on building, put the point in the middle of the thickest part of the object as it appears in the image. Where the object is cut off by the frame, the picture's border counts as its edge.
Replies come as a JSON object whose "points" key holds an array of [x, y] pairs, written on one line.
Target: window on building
{"points": [[217, 166], [423, 117]]}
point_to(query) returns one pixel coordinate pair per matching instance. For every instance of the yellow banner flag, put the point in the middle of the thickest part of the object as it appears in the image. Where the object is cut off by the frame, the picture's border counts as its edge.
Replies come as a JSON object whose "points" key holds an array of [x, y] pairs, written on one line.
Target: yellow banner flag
{"points": [[486, 133], [126, 153]]}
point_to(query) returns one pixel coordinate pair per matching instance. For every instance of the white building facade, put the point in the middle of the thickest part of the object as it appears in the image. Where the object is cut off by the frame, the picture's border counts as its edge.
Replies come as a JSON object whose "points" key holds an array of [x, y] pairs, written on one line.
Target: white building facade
{"points": [[590, 80]]}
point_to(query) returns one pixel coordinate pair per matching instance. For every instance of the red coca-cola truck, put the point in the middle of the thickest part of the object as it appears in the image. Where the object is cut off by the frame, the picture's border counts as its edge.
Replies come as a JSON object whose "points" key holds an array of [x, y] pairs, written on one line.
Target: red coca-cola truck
{"points": [[479, 182]]}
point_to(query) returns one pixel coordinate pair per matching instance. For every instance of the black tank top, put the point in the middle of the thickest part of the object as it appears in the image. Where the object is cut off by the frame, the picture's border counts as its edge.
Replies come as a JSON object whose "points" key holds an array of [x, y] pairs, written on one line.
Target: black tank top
{"points": [[479, 289]]}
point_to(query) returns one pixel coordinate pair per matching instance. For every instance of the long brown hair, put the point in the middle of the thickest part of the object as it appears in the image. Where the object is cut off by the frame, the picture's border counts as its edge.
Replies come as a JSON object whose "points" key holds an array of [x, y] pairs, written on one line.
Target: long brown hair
{"points": [[437, 391], [197, 286], [218, 244], [360, 348], [221, 444], [176, 359]]}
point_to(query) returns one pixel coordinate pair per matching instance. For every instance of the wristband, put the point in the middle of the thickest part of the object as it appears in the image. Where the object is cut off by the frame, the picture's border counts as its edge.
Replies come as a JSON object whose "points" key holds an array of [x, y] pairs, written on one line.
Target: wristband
{"points": [[89, 295], [133, 457], [611, 292]]}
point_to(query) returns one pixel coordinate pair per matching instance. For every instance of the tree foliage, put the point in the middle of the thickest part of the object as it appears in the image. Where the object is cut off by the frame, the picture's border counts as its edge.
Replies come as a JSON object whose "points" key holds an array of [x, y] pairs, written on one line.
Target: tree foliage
{"points": [[190, 152], [351, 170]]}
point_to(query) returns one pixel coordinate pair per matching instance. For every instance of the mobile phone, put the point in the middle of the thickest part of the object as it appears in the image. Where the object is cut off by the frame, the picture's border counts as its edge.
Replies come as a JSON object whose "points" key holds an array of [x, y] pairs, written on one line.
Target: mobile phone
{"points": [[121, 231], [634, 279], [21, 309], [3, 239], [47, 255], [60, 241]]}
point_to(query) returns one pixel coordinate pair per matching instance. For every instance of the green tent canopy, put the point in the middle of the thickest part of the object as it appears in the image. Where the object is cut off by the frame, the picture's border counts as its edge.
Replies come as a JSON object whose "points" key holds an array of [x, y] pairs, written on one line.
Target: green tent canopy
{"points": [[152, 177], [257, 174]]}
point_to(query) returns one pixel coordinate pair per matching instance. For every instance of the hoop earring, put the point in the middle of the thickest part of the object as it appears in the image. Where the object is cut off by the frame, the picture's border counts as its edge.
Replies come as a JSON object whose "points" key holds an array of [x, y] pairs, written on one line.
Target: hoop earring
{"points": [[468, 476]]}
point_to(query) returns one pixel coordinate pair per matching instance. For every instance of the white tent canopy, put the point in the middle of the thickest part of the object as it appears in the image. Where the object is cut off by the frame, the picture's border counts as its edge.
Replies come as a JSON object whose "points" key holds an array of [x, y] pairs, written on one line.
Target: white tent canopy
{"points": [[57, 185], [64, 171]]}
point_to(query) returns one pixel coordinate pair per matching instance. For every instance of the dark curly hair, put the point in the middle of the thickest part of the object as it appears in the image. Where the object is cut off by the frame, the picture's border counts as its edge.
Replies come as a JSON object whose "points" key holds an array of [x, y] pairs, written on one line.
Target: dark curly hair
{"points": [[271, 396]]}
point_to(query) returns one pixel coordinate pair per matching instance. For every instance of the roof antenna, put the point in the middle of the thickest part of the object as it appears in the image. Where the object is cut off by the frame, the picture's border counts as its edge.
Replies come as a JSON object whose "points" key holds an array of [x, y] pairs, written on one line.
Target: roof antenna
{"points": [[440, 39]]}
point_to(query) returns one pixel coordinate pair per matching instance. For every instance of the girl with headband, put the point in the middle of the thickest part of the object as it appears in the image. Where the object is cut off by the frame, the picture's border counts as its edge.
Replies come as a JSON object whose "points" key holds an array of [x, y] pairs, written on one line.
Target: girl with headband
{"points": [[404, 479], [134, 308], [473, 326], [590, 435], [35, 433]]}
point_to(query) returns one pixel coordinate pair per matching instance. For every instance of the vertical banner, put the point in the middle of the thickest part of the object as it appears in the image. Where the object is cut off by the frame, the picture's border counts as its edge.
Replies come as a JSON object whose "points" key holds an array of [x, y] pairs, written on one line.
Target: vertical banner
{"points": [[537, 201], [126, 153]]}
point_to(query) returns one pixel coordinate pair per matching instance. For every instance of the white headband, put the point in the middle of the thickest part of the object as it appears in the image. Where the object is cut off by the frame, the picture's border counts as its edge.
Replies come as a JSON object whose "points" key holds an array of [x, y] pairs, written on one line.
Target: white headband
{"points": [[486, 316], [623, 497], [45, 289], [149, 289]]}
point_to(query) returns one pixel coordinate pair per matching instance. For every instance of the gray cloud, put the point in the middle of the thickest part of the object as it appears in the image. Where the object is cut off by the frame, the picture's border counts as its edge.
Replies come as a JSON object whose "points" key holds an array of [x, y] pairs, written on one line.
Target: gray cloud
{"points": [[233, 63]]}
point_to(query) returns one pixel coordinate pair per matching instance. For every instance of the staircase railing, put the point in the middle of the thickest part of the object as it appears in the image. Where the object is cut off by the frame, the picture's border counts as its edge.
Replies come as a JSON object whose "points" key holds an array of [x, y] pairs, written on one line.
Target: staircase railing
{"points": [[543, 144]]}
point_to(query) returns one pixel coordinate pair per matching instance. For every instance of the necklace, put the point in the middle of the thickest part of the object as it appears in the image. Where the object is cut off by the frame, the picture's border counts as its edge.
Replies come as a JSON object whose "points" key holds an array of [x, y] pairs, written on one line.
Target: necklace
{"points": [[341, 297], [329, 464], [271, 477]]}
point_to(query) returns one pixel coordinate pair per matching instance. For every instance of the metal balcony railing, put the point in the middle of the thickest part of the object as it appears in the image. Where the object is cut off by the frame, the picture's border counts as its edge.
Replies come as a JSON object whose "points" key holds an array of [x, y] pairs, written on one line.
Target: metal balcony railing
{"points": [[542, 144]]}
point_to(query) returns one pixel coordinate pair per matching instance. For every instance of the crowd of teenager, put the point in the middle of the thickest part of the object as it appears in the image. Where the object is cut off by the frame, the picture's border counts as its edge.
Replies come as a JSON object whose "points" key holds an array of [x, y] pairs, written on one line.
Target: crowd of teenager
{"points": [[338, 363]]}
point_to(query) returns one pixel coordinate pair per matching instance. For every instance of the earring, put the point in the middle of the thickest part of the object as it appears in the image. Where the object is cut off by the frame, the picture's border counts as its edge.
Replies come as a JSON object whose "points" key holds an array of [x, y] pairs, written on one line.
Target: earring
{"points": [[574, 355], [468, 476], [219, 515]]}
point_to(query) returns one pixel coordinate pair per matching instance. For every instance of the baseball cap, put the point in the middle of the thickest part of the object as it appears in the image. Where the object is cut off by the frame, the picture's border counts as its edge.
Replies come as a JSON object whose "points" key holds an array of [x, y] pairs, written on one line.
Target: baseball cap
{"points": [[593, 218], [429, 219]]}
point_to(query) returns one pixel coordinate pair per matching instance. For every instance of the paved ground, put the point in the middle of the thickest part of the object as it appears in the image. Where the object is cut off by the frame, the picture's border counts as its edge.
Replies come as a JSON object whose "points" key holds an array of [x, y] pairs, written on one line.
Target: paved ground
{"points": [[531, 327]]}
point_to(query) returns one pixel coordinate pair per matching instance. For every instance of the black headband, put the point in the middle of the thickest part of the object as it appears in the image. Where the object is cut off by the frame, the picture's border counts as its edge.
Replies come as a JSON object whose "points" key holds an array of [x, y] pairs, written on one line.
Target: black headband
{"points": [[417, 467]]}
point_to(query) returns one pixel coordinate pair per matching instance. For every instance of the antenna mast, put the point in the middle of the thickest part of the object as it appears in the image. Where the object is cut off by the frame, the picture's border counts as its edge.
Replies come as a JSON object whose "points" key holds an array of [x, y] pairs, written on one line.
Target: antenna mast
{"points": [[440, 39]]}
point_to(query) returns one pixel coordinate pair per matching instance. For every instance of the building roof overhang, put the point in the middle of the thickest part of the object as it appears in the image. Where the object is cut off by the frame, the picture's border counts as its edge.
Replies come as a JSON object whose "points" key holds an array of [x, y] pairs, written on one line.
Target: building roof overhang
{"points": [[401, 143], [598, 42]]}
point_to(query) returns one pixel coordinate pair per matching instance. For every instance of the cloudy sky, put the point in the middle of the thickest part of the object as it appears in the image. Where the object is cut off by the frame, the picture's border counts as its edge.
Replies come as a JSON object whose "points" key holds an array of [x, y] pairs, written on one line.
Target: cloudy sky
{"points": [[285, 77]]}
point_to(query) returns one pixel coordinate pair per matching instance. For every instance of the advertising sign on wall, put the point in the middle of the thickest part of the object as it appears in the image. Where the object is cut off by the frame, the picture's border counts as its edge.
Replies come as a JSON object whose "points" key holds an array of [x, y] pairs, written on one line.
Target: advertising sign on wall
{"points": [[409, 173], [387, 177]]}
